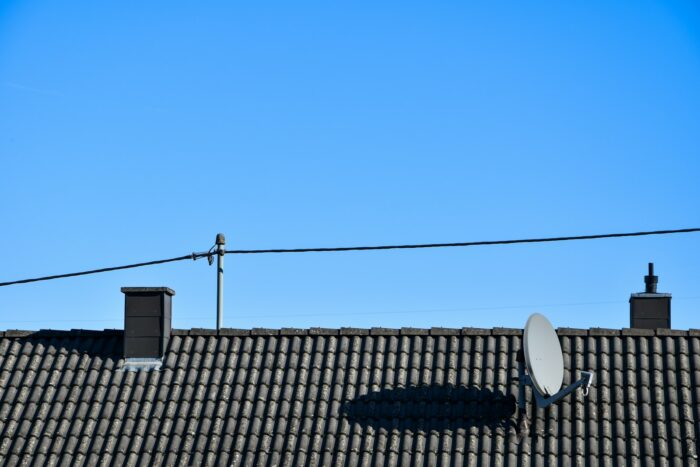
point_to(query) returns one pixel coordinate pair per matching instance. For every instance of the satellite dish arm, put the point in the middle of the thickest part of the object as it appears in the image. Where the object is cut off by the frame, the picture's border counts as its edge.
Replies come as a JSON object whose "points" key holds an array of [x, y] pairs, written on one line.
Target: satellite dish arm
{"points": [[542, 401], [586, 380]]}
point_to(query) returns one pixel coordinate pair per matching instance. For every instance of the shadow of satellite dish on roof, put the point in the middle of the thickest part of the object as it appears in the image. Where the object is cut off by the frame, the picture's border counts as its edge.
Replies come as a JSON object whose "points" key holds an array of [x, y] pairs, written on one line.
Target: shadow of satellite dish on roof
{"points": [[432, 407]]}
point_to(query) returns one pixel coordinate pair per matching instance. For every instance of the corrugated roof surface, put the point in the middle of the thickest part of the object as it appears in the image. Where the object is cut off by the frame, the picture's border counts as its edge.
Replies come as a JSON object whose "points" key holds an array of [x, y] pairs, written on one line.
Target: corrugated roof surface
{"points": [[345, 397]]}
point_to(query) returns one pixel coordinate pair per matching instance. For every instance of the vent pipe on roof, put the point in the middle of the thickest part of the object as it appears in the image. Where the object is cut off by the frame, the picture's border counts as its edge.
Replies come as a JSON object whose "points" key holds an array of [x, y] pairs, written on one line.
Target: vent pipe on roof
{"points": [[650, 309], [147, 318]]}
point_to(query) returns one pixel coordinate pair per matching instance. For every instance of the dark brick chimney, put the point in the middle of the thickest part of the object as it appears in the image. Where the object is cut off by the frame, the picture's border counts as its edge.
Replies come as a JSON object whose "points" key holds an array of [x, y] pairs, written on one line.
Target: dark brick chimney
{"points": [[650, 309], [147, 318]]}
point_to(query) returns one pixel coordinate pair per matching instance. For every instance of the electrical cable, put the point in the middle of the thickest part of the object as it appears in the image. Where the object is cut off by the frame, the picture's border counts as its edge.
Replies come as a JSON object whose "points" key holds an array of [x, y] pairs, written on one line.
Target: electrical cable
{"points": [[194, 256], [465, 244]]}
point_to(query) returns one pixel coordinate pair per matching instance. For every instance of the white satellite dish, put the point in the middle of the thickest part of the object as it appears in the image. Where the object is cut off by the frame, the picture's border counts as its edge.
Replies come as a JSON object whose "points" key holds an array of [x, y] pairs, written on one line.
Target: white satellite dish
{"points": [[543, 356], [542, 365]]}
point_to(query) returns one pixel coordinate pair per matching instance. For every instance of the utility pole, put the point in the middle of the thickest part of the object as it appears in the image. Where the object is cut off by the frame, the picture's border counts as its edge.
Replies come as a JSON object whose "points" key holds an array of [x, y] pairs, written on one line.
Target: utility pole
{"points": [[220, 252]]}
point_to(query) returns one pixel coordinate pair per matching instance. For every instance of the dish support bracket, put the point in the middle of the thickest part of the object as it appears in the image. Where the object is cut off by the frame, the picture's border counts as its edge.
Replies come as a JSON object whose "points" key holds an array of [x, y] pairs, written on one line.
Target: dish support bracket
{"points": [[543, 401]]}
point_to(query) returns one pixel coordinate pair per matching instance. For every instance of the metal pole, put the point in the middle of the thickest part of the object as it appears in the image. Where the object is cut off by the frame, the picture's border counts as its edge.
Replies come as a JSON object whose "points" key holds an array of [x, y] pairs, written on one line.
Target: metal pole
{"points": [[220, 251]]}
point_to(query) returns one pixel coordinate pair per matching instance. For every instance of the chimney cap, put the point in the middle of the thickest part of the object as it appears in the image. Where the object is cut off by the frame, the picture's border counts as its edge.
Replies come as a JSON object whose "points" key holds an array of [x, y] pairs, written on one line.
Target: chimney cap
{"points": [[650, 295], [167, 290]]}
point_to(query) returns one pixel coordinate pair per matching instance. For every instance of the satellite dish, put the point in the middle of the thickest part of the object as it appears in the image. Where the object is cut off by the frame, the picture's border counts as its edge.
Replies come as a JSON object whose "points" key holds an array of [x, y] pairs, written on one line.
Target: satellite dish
{"points": [[541, 365], [543, 357]]}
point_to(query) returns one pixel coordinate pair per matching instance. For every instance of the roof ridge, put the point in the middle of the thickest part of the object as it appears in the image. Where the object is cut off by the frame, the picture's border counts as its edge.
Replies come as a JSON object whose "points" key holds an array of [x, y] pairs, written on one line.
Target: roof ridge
{"points": [[351, 331]]}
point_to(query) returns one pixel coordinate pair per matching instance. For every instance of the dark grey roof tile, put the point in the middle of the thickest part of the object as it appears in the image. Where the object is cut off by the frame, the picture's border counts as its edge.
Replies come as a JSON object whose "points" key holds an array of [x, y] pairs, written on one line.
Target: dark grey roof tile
{"points": [[231, 332], [506, 332], [444, 331], [571, 332], [354, 332], [323, 332], [476, 332], [383, 332], [637, 332], [671, 332], [172, 458], [293, 332], [17, 333], [600, 332]]}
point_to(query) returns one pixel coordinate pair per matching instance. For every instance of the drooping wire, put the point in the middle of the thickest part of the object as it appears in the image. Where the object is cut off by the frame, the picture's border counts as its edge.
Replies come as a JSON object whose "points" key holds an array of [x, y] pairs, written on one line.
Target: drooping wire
{"points": [[209, 254], [192, 256], [464, 244]]}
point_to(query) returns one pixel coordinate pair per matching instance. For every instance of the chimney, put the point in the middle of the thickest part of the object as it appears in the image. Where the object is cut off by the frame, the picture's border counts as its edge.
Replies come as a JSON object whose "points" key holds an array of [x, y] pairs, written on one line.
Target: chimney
{"points": [[147, 312], [650, 309]]}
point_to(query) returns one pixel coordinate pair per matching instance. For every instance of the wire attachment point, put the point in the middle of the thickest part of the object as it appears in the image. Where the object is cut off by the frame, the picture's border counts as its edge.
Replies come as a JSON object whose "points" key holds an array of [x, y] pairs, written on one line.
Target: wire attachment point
{"points": [[210, 254]]}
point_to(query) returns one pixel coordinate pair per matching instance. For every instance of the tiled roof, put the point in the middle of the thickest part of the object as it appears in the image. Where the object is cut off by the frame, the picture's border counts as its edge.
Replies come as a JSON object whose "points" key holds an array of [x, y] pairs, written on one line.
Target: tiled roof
{"points": [[345, 397]]}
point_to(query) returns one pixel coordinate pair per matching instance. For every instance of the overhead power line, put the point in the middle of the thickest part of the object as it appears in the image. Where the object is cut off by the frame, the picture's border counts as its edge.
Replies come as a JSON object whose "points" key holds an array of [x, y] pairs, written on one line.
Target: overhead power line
{"points": [[464, 244], [212, 252], [97, 271]]}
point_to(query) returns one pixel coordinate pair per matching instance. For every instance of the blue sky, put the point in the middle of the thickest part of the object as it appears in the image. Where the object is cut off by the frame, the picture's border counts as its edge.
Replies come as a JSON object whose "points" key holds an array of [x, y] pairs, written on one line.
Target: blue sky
{"points": [[132, 131]]}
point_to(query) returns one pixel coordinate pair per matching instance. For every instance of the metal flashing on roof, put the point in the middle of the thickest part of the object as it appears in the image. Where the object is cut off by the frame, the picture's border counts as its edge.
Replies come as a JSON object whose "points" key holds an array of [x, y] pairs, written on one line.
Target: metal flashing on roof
{"points": [[139, 364]]}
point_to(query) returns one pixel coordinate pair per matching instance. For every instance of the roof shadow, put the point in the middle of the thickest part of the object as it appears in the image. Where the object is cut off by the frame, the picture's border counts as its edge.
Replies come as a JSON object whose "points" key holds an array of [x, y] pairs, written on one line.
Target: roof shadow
{"points": [[432, 407], [101, 344]]}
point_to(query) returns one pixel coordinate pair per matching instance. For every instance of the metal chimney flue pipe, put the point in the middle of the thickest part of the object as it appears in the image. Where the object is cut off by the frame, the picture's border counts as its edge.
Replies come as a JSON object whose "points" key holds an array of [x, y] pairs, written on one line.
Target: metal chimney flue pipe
{"points": [[651, 280]]}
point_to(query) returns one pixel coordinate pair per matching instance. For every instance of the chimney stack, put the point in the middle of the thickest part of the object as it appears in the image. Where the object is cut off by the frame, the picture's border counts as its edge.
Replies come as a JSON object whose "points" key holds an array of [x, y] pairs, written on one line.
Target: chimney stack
{"points": [[650, 309], [147, 318]]}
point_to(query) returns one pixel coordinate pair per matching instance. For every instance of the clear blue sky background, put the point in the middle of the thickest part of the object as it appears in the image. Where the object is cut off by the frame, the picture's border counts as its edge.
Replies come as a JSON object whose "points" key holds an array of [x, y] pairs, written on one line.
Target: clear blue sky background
{"points": [[137, 131]]}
